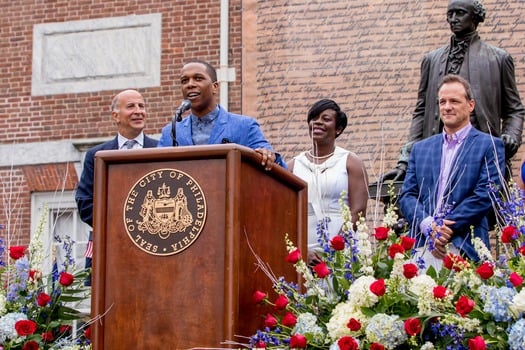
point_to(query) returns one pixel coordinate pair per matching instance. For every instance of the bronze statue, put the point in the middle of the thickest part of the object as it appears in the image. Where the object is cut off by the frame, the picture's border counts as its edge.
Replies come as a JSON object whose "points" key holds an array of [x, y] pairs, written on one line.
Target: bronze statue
{"points": [[490, 71]]}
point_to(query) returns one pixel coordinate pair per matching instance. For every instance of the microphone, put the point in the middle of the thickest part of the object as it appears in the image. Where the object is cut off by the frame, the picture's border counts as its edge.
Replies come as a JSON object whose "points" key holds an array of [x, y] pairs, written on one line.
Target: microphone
{"points": [[184, 106]]}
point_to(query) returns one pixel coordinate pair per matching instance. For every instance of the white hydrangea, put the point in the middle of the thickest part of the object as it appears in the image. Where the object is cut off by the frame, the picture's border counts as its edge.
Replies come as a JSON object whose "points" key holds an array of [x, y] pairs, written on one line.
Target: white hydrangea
{"points": [[341, 314], [422, 286], [359, 292], [3, 300], [427, 346], [518, 303]]}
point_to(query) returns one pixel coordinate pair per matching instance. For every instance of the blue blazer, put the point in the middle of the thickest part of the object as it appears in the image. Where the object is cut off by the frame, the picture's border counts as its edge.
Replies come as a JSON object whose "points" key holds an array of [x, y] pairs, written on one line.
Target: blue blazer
{"points": [[84, 193], [479, 159], [228, 128]]}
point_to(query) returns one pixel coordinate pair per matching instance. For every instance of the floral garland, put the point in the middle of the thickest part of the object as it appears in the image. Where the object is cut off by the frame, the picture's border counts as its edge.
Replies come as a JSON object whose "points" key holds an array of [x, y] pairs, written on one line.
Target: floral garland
{"points": [[371, 293]]}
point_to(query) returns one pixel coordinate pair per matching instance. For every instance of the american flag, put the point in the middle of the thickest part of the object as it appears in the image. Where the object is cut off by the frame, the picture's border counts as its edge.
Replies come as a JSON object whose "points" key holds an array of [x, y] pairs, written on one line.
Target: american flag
{"points": [[89, 250]]}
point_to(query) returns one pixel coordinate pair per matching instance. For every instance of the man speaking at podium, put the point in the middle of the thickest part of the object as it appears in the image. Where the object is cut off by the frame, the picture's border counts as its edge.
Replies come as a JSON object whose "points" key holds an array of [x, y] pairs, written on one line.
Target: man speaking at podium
{"points": [[208, 122]]}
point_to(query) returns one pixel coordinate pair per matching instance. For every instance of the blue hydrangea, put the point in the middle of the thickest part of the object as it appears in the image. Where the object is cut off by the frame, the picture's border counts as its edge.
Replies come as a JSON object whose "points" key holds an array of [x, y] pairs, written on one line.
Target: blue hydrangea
{"points": [[497, 302], [7, 325], [517, 335], [386, 329]]}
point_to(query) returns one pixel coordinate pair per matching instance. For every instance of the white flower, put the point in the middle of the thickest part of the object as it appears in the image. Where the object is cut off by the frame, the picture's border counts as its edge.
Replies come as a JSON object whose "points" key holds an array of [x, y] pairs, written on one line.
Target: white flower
{"points": [[427, 346], [359, 292], [307, 324], [341, 314], [518, 303], [2, 303], [422, 286]]}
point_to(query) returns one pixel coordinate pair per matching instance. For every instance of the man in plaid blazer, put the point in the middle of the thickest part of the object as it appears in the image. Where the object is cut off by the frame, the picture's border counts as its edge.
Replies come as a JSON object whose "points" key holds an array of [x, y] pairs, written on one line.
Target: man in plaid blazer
{"points": [[445, 195]]}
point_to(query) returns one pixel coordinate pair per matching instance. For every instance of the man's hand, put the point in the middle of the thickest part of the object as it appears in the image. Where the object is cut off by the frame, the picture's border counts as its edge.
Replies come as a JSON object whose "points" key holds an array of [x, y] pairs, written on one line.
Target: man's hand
{"points": [[511, 146], [268, 158], [396, 174], [441, 236]]}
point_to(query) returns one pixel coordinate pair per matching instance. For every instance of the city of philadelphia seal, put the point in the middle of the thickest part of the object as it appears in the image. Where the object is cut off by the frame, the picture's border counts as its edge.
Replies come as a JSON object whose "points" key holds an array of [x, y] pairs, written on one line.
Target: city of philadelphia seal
{"points": [[164, 212]]}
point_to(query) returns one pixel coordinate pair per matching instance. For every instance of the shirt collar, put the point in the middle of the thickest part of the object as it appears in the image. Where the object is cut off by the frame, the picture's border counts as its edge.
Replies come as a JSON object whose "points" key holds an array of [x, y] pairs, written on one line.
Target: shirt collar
{"points": [[208, 118], [139, 139], [457, 137]]}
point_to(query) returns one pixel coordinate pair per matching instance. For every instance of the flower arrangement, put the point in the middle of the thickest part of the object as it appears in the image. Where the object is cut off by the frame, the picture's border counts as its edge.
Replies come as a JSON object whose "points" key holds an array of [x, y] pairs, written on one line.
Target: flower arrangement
{"points": [[34, 308], [369, 292]]}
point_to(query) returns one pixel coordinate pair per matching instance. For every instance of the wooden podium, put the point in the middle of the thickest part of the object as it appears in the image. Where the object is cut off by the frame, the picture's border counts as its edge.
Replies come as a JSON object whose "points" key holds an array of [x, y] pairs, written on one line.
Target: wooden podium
{"points": [[172, 265]]}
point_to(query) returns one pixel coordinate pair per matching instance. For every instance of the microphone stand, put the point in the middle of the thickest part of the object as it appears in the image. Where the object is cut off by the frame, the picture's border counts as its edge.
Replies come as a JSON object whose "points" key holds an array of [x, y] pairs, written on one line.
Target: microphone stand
{"points": [[176, 118]]}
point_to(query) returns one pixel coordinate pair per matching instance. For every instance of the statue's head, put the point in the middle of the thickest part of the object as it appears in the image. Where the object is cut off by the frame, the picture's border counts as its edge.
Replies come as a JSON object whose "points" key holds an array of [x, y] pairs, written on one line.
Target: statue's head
{"points": [[463, 16]]}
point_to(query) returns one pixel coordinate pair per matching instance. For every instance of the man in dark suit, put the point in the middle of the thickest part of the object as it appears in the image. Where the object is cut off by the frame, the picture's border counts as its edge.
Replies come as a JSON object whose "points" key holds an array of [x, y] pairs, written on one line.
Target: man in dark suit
{"points": [[490, 72], [128, 111], [209, 123], [446, 189]]}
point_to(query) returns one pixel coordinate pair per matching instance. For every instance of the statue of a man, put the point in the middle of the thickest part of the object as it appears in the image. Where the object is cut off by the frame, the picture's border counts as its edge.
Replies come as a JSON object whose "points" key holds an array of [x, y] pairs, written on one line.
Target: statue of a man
{"points": [[490, 71]]}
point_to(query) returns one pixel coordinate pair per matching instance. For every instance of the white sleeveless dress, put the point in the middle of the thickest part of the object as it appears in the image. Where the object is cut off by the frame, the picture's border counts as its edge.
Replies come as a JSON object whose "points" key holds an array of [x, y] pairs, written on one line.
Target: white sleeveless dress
{"points": [[325, 181]]}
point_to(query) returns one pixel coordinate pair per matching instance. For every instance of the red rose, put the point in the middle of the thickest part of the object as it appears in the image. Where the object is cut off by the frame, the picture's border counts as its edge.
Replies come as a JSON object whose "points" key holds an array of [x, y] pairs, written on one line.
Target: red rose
{"points": [[65, 329], [25, 327], [477, 343], [338, 242], [410, 270], [464, 305], [87, 333], [35, 275], [515, 279], [456, 262], [47, 337], [485, 271], [354, 325], [66, 278], [281, 302], [347, 343], [289, 320], [412, 326], [17, 252], [270, 321], [440, 292], [378, 287], [509, 234], [521, 250], [30, 345], [258, 297], [43, 299], [381, 233], [294, 256], [377, 346], [260, 345], [394, 249], [407, 242], [298, 341], [321, 270]]}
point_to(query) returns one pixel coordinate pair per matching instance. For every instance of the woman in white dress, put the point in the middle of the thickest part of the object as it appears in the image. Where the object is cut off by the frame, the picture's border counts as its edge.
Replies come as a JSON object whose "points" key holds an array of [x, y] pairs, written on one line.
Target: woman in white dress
{"points": [[329, 170]]}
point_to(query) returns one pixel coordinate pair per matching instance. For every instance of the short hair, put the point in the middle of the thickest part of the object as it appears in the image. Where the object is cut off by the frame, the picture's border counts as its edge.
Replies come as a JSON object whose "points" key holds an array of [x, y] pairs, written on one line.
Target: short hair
{"points": [[114, 102], [478, 11], [320, 106], [209, 68], [454, 78]]}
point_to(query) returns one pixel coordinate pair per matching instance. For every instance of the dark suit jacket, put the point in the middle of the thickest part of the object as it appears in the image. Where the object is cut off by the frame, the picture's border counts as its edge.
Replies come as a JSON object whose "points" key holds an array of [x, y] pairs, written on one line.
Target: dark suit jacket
{"points": [[229, 128], [479, 159], [84, 193], [490, 71]]}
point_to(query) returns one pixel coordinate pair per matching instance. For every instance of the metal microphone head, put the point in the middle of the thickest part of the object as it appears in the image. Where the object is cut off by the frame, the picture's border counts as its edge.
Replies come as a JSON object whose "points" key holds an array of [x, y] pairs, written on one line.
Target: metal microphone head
{"points": [[184, 106]]}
